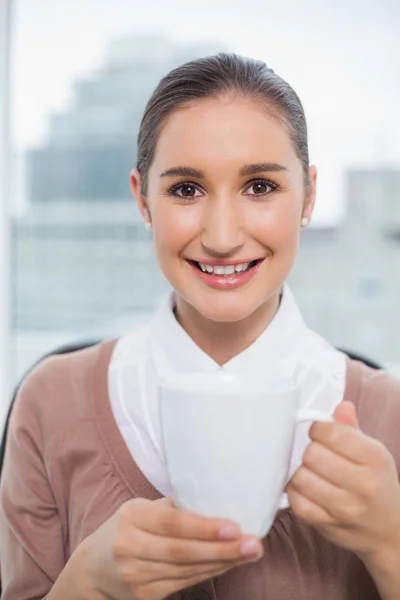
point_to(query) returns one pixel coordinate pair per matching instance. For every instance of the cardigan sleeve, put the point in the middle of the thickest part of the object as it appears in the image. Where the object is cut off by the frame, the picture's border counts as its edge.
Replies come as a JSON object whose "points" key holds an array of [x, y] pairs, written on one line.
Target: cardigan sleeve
{"points": [[32, 553], [378, 409]]}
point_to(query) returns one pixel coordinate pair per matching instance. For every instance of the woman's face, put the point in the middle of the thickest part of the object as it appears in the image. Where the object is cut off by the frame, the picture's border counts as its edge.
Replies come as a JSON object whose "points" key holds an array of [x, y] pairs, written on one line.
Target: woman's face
{"points": [[226, 197]]}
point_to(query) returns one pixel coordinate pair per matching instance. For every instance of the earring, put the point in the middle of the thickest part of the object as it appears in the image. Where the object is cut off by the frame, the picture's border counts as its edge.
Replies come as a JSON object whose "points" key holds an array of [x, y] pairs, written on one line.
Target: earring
{"points": [[148, 225], [304, 222]]}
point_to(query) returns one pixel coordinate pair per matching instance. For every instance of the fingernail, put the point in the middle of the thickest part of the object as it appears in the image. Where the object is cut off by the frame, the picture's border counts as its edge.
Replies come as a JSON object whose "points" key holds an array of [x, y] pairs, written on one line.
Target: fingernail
{"points": [[250, 548], [229, 531]]}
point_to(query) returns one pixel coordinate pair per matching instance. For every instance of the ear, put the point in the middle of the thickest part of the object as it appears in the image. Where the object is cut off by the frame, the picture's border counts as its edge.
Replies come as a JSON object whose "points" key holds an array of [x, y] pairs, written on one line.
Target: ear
{"points": [[311, 193], [136, 189]]}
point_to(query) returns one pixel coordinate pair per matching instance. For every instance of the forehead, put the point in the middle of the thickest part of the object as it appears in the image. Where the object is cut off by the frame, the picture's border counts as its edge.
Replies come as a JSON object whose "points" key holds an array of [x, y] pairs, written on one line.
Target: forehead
{"points": [[217, 130]]}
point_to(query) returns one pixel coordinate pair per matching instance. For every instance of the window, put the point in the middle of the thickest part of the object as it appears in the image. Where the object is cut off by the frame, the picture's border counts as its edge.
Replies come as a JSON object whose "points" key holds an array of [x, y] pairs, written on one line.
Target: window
{"points": [[5, 380]]}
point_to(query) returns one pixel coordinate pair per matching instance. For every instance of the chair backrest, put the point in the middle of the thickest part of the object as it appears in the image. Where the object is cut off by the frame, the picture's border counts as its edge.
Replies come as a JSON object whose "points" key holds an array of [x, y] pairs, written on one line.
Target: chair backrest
{"points": [[364, 359], [65, 349]]}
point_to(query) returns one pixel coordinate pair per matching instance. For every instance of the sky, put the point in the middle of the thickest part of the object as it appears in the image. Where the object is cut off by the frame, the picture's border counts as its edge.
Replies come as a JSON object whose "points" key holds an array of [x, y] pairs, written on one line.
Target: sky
{"points": [[342, 57]]}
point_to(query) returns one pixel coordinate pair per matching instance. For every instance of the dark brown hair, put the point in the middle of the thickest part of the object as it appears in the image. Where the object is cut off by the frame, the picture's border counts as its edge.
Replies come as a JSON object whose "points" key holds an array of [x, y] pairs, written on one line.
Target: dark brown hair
{"points": [[215, 76]]}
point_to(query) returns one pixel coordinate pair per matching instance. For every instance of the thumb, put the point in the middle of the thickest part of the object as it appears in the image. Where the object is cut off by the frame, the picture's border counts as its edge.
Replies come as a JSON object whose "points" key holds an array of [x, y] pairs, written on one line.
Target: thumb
{"points": [[346, 413]]}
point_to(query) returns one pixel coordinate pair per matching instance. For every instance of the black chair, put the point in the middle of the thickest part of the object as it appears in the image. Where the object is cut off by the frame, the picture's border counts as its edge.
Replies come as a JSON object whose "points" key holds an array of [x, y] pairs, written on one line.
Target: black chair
{"points": [[361, 358], [65, 349]]}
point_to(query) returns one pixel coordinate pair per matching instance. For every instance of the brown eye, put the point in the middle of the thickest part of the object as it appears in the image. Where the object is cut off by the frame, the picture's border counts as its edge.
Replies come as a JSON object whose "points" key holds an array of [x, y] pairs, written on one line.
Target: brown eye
{"points": [[259, 188], [186, 190]]}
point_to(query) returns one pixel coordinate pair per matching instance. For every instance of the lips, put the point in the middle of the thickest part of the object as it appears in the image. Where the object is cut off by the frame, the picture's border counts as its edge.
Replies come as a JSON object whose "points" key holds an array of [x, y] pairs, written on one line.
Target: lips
{"points": [[225, 276]]}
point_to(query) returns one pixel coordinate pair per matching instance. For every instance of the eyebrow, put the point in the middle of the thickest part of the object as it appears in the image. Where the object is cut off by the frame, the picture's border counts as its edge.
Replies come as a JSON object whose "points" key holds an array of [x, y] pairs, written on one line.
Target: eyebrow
{"points": [[261, 168], [251, 169], [183, 172]]}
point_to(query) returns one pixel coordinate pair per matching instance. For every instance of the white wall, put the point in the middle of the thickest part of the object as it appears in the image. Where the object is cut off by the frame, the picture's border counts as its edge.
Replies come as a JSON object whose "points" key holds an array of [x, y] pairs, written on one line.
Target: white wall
{"points": [[5, 17]]}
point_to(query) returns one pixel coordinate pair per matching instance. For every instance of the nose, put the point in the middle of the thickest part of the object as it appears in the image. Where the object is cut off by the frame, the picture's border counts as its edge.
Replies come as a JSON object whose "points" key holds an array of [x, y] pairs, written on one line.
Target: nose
{"points": [[223, 227]]}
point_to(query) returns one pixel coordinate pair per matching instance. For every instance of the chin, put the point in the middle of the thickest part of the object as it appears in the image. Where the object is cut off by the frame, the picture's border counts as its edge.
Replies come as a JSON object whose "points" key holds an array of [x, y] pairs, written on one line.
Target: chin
{"points": [[225, 312]]}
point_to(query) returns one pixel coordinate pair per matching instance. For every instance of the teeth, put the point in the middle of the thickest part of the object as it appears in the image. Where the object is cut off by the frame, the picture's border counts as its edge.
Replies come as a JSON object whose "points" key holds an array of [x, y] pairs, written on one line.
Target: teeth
{"points": [[223, 269], [229, 270], [241, 267], [219, 270]]}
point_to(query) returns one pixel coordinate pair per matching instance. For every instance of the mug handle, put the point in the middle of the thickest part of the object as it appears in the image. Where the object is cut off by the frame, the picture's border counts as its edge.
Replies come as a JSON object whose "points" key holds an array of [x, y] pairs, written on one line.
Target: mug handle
{"points": [[309, 414], [303, 415]]}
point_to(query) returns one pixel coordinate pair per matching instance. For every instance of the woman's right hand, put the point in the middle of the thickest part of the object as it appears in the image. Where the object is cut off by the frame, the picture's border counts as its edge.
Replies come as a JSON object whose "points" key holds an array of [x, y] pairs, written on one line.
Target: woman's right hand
{"points": [[149, 550]]}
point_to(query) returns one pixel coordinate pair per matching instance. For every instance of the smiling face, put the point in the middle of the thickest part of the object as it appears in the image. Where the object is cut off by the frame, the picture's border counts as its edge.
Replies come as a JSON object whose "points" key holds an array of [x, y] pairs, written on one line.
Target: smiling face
{"points": [[226, 196]]}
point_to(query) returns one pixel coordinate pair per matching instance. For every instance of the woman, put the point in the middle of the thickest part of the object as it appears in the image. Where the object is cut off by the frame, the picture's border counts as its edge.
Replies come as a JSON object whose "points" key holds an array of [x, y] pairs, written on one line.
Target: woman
{"points": [[223, 180]]}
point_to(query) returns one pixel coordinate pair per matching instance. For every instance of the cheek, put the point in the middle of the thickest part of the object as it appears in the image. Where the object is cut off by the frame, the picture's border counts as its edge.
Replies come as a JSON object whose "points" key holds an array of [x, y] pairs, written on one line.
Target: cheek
{"points": [[174, 228], [278, 227]]}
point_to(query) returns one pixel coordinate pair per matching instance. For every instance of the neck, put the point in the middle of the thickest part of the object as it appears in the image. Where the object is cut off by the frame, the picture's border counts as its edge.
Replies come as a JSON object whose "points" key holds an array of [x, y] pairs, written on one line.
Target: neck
{"points": [[223, 341]]}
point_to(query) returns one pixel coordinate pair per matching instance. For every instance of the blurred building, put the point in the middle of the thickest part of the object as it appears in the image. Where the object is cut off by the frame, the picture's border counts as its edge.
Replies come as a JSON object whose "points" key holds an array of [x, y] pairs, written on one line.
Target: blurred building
{"points": [[347, 280], [82, 258], [79, 267], [81, 255], [92, 147]]}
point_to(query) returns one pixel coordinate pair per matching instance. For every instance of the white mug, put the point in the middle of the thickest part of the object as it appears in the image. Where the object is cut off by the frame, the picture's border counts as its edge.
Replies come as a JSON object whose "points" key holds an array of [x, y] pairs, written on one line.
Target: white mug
{"points": [[228, 440]]}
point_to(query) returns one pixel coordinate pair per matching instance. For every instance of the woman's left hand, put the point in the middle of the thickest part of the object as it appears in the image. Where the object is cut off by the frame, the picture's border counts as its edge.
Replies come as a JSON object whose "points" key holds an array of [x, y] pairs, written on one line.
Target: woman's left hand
{"points": [[348, 487]]}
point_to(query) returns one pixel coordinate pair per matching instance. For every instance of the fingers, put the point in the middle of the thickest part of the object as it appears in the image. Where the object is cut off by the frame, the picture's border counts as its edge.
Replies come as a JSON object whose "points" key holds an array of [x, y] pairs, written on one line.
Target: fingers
{"points": [[159, 571], [318, 491], [158, 545], [346, 441], [332, 467], [161, 518], [183, 551], [159, 588], [308, 510], [346, 413]]}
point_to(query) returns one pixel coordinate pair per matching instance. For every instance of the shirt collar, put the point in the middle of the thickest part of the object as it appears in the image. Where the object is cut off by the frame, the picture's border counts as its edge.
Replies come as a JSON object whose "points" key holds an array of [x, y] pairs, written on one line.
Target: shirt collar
{"points": [[174, 351]]}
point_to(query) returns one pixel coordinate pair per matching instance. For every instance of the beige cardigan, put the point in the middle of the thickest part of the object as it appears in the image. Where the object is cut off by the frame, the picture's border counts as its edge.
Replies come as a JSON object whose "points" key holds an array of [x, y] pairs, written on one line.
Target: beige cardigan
{"points": [[67, 469]]}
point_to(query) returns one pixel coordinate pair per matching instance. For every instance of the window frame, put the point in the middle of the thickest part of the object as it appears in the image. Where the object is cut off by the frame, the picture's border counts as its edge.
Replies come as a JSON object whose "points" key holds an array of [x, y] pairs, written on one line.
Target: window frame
{"points": [[5, 162]]}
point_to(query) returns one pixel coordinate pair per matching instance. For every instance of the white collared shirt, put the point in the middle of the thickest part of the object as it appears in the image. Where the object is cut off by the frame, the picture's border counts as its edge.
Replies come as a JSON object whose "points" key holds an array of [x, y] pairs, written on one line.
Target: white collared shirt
{"points": [[163, 348]]}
